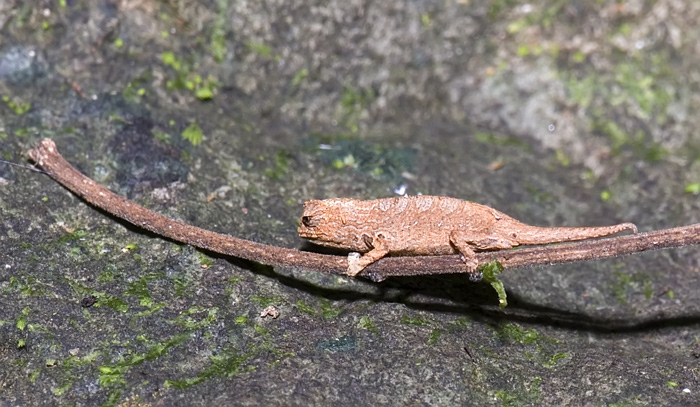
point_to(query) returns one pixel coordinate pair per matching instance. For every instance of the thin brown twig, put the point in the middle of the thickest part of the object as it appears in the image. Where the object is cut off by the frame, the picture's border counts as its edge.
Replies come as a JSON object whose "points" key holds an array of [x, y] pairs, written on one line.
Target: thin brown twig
{"points": [[46, 156]]}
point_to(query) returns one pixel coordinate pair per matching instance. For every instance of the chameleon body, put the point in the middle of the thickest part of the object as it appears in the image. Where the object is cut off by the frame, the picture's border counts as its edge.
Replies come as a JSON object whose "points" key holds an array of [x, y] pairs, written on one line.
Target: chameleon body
{"points": [[426, 225]]}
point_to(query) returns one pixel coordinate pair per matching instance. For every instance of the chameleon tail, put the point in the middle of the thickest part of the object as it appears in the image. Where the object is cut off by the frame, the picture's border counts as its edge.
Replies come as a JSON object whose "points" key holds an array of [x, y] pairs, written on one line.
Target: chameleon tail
{"points": [[532, 235]]}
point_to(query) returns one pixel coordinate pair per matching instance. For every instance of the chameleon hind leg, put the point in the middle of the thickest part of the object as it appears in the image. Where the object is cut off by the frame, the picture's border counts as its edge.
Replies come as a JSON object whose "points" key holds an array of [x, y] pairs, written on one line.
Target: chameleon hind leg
{"points": [[467, 242]]}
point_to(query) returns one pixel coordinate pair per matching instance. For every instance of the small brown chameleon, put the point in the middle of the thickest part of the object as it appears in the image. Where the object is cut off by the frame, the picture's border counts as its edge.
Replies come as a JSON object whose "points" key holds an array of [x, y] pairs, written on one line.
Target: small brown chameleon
{"points": [[426, 225]]}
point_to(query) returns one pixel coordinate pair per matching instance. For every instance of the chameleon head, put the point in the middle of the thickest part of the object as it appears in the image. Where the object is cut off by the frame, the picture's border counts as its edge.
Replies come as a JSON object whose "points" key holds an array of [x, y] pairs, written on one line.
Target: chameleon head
{"points": [[330, 223]]}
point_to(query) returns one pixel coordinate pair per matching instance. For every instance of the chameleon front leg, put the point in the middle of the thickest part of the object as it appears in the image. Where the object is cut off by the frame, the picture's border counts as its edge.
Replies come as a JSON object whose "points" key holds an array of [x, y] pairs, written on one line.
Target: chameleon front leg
{"points": [[467, 242], [380, 248]]}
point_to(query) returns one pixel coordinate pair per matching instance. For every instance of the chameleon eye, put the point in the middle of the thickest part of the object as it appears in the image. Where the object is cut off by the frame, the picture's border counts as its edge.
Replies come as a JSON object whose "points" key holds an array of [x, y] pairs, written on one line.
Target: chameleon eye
{"points": [[306, 221]]}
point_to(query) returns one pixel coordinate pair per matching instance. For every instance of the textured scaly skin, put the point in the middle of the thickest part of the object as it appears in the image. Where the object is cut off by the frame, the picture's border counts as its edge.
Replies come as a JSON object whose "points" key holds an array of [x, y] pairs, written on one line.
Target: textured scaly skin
{"points": [[426, 225]]}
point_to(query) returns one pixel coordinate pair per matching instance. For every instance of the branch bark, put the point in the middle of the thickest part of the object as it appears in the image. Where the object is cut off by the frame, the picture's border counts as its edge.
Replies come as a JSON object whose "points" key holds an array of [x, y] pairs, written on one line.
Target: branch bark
{"points": [[46, 156]]}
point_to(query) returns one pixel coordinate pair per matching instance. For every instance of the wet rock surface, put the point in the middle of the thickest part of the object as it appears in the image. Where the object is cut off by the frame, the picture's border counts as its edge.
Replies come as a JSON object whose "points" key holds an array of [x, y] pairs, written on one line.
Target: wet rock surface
{"points": [[230, 115]]}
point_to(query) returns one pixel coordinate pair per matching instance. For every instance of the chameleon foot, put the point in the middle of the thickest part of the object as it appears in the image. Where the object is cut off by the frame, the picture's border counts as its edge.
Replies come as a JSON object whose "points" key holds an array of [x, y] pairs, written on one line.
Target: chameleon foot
{"points": [[472, 265], [354, 264], [475, 275]]}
